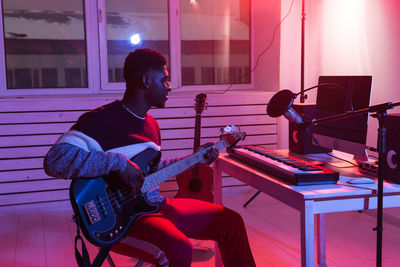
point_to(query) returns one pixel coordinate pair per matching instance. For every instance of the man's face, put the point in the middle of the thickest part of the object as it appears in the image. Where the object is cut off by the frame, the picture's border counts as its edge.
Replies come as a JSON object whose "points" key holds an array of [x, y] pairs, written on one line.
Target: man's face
{"points": [[158, 87]]}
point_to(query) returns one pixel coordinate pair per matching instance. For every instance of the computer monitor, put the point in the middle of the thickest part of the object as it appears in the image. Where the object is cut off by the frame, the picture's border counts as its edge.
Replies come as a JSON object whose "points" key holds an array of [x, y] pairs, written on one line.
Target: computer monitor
{"points": [[333, 97]]}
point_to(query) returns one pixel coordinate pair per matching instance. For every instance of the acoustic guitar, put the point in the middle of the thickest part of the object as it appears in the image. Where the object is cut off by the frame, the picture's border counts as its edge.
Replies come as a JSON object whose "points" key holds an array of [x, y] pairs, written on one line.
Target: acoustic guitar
{"points": [[197, 182]]}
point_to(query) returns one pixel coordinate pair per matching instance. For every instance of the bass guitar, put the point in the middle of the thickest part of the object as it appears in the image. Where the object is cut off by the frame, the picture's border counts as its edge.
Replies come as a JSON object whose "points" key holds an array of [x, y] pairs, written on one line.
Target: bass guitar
{"points": [[106, 207], [197, 181]]}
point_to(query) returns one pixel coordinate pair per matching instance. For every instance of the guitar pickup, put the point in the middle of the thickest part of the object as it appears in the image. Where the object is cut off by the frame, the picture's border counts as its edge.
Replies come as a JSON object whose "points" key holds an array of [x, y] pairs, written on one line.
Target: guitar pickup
{"points": [[92, 212]]}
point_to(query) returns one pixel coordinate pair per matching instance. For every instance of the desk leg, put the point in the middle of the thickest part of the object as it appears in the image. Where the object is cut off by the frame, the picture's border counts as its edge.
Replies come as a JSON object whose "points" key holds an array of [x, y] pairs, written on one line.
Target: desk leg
{"points": [[307, 234], [218, 200], [321, 239], [217, 183]]}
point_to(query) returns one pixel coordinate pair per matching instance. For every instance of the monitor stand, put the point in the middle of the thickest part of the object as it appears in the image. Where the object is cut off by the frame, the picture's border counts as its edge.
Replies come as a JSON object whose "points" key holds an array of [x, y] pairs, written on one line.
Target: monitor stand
{"points": [[362, 158]]}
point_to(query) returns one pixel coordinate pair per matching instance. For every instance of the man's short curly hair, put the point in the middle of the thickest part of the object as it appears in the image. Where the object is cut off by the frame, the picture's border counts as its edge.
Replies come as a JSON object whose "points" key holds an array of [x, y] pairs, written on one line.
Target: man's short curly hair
{"points": [[138, 62]]}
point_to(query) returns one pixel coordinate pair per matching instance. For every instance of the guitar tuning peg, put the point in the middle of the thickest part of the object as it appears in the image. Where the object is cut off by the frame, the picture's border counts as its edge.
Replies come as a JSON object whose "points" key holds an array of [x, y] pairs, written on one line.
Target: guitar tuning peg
{"points": [[227, 129]]}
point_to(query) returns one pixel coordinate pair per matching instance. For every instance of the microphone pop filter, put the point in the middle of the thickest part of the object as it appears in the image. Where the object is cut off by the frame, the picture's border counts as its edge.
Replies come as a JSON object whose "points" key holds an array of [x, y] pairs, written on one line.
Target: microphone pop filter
{"points": [[280, 103]]}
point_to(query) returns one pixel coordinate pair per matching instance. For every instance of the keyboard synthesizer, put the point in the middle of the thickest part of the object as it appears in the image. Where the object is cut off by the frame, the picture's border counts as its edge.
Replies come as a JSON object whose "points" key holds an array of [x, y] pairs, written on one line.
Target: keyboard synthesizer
{"points": [[288, 168]]}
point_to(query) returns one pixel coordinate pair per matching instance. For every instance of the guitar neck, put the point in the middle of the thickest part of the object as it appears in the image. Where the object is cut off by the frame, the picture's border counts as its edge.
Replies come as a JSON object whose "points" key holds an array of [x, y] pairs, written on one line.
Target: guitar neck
{"points": [[172, 170], [197, 127]]}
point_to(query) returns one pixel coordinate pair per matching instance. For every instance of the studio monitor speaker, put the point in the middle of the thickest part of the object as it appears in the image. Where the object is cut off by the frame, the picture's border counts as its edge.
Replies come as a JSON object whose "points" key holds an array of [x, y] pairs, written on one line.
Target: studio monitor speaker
{"points": [[300, 141], [391, 166]]}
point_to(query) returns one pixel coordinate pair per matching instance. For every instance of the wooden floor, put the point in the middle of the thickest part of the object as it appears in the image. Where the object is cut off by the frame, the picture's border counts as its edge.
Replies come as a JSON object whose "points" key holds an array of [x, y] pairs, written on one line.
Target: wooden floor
{"points": [[46, 239]]}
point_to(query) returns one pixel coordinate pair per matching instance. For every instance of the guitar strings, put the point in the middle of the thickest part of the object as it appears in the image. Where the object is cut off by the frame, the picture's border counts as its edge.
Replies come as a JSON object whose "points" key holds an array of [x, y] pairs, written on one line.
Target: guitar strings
{"points": [[114, 196]]}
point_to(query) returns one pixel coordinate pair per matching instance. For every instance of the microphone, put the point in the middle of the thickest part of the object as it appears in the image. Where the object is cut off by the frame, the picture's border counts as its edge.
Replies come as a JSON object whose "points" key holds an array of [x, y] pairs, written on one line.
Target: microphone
{"points": [[281, 104]]}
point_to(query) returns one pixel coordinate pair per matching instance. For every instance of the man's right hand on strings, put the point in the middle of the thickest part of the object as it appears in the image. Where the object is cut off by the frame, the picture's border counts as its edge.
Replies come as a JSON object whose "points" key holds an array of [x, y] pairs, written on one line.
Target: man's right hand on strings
{"points": [[132, 176]]}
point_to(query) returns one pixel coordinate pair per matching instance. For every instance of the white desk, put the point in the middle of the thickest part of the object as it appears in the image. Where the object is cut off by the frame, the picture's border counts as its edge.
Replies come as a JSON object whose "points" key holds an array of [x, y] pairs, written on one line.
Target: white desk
{"points": [[313, 201]]}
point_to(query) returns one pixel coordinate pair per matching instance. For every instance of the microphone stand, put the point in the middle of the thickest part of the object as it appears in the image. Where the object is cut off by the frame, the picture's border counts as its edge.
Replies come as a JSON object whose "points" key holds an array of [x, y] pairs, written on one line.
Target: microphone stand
{"points": [[303, 19], [380, 114]]}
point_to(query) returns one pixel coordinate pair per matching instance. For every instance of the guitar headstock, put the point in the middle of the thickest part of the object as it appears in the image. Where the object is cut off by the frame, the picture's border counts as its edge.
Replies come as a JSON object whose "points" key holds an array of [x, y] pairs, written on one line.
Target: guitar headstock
{"points": [[231, 135], [201, 102]]}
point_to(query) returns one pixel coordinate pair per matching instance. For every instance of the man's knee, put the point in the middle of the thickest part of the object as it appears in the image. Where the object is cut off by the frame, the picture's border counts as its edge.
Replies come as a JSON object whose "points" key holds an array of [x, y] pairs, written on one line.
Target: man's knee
{"points": [[234, 218]]}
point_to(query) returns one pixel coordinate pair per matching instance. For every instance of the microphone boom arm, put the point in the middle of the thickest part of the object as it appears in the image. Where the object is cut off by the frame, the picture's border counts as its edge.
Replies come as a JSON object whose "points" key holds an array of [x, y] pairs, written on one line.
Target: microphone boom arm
{"points": [[375, 108]]}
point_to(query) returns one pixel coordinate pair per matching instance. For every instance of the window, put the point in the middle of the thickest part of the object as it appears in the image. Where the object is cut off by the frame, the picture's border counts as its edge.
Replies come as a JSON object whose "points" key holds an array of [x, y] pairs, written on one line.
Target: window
{"points": [[206, 42], [44, 43], [131, 24], [221, 40], [79, 46]]}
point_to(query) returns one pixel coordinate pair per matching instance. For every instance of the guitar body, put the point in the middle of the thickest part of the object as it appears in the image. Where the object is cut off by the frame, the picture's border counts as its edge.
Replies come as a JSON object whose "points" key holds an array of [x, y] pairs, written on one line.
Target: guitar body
{"points": [[197, 181], [196, 187], [106, 207]]}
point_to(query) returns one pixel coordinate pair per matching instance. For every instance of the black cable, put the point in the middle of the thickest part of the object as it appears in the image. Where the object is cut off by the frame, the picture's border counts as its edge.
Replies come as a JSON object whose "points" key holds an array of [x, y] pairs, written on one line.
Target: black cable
{"points": [[262, 53], [341, 159], [331, 84]]}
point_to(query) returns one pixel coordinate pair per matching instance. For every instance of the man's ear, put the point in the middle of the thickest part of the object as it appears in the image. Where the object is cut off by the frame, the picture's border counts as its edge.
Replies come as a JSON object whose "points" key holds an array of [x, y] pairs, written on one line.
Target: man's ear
{"points": [[145, 80]]}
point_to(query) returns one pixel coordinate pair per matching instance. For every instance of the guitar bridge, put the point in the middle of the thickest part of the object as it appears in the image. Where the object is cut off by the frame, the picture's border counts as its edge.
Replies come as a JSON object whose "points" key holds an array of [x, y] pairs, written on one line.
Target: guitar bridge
{"points": [[92, 212]]}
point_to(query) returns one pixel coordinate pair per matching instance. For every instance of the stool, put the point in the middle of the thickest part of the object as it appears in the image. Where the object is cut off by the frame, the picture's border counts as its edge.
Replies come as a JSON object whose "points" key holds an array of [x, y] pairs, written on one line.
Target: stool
{"points": [[141, 250], [112, 264]]}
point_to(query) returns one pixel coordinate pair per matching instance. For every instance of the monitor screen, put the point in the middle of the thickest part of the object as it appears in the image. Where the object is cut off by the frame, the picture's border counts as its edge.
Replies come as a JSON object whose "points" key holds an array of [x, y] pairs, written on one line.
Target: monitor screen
{"points": [[336, 95]]}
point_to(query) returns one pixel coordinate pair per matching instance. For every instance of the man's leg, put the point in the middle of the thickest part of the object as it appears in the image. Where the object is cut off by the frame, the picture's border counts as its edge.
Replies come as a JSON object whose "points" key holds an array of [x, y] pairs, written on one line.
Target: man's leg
{"points": [[208, 221], [154, 236]]}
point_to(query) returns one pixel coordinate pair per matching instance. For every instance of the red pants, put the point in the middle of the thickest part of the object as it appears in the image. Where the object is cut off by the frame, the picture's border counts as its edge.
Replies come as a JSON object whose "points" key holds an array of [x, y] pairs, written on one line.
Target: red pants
{"points": [[178, 220]]}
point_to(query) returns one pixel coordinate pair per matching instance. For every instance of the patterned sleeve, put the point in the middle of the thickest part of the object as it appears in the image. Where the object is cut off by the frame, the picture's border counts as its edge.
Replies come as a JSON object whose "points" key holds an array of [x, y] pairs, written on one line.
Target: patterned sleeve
{"points": [[70, 161]]}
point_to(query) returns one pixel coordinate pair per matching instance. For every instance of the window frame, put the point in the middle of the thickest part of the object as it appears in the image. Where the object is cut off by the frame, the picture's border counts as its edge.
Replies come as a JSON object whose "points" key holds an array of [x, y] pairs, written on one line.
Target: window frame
{"points": [[96, 59], [91, 62]]}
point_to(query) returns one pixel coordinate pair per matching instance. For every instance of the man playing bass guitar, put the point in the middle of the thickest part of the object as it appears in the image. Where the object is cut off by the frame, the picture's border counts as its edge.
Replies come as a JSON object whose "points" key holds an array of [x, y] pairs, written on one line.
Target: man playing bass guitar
{"points": [[104, 140]]}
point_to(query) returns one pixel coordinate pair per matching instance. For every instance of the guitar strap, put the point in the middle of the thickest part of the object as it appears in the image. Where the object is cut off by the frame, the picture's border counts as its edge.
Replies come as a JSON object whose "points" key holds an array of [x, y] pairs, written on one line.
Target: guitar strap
{"points": [[83, 259]]}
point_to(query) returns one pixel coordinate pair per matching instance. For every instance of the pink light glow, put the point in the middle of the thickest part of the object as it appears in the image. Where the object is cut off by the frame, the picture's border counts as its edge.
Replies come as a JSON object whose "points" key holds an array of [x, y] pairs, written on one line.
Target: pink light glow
{"points": [[344, 36]]}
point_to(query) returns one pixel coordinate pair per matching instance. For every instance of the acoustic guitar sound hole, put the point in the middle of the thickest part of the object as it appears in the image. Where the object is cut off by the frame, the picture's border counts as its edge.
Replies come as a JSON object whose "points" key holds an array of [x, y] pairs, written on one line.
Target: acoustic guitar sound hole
{"points": [[195, 185]]}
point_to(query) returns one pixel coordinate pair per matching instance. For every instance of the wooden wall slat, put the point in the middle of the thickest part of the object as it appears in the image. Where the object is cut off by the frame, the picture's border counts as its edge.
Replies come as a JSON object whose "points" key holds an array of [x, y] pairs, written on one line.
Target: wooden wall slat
{"points": [[76, 103], [13, 199], [21, 187], [23, 175], [39, 117], [36, 207], [23, 152], [34, 129], [17, 164], [31, 140]]}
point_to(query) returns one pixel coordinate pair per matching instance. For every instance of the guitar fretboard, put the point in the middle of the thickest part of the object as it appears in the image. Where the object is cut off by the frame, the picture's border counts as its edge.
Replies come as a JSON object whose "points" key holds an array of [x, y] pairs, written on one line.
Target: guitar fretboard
{"points": [[172, 170]]}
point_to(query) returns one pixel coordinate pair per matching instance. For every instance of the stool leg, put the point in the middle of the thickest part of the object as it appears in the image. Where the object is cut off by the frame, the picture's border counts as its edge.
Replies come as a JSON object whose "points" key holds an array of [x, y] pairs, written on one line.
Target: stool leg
{"points": [[110, 261], [139, 263], [251, 199], [112, 264]]}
